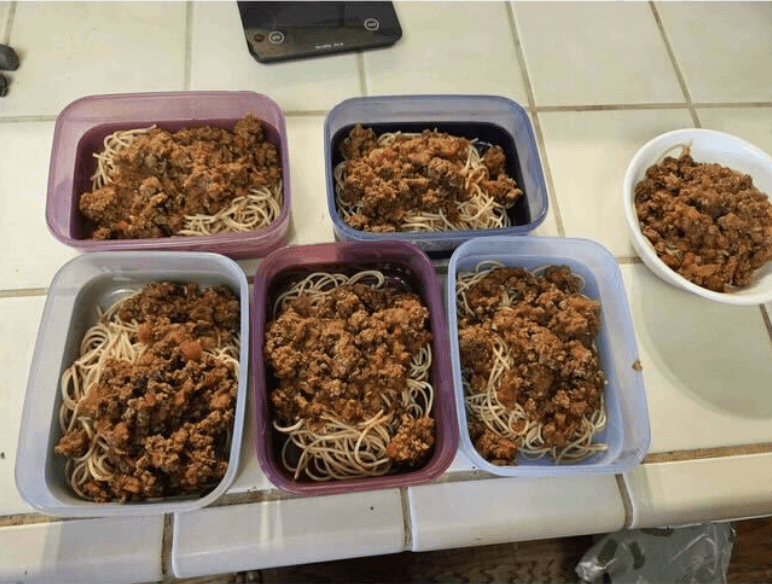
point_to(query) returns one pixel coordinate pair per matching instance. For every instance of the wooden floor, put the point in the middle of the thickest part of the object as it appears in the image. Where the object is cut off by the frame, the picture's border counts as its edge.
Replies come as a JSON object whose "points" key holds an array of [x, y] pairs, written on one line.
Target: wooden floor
{"points": [[551, 560]]}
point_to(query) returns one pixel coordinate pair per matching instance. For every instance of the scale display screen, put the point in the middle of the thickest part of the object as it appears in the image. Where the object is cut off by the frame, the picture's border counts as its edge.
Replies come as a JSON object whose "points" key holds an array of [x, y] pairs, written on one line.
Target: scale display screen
{"points": [[278, 31]]}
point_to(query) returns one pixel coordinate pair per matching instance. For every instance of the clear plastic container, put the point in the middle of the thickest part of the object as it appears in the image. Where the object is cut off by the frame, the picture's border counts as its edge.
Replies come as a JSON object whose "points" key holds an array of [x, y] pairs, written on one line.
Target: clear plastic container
{"points": [[82, 126], [410, 266], [490, 119], [79, 287], [627, 432]]}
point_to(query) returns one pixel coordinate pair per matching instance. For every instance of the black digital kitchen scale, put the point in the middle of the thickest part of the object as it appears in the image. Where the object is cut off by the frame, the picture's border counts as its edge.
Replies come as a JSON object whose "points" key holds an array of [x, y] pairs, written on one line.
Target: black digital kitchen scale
{"points": [[277, 31]]}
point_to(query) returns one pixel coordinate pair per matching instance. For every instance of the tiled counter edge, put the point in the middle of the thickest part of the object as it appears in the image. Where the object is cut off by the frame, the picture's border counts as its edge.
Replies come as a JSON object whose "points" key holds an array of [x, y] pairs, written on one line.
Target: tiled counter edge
{"points": [[684, 492], [287, 531], [65, 551], [499, 510]]}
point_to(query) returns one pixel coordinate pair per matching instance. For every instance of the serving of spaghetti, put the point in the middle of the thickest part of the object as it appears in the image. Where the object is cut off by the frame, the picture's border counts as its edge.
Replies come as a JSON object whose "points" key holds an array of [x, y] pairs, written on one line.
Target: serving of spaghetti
{"points": [[150, 182], [148, 405], [531, 373], [430, 181], [350, 357]]}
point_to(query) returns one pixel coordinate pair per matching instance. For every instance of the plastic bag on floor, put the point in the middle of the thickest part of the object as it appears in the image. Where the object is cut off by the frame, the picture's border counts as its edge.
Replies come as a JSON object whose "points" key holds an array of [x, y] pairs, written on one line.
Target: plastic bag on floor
{"points": [[639, 556]]}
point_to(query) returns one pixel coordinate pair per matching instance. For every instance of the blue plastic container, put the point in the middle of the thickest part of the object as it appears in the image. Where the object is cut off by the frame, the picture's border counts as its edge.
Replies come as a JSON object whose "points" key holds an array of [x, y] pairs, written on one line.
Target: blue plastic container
{"points": [[492, 119], [627, 431]]}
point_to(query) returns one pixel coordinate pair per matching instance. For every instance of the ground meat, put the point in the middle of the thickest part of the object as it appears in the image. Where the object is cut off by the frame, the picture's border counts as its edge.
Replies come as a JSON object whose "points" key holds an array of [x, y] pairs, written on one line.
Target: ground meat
{"points": [[549, 328], [705, 221], [167, 417], [415, 174], [162, 177], [349, 356]]}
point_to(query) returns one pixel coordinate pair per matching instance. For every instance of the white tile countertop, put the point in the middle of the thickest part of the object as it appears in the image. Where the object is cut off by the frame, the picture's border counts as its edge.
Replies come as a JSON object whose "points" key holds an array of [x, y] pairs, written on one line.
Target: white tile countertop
{"points": [[598, 80]]}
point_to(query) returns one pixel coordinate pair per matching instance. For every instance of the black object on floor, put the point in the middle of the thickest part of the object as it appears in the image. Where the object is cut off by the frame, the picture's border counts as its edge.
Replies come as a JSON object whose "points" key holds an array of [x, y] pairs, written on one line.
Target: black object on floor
{"points": [[9, 60], [3, 85], [277, 31]]}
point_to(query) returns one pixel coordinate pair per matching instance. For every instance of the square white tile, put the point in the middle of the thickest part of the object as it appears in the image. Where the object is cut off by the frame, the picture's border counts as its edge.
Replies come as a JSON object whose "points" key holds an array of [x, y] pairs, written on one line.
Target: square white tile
{"points": [[450, 47], [287, 532], [73, 49], [29, 254], [220, 60], [18, 333], [5, 7], [706, 366], [733, 70], [588, 154], [492, 511], [753, 124], [310, 220], [697, 491], [583, 53], [107, 551]]}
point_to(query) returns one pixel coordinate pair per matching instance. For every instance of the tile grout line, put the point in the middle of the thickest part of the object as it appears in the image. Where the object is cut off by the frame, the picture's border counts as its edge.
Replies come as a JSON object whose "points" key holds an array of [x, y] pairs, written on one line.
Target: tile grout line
{"points": [[304, 113], [23, 292], [609, 107], [767, 320], [700, 454], [35, 519], [361, 73], [674, 62], [407, 519], [535, 117], [187, 65], [166, 544], [9, 23], [531, 109], [31, 118], [627, 501]]}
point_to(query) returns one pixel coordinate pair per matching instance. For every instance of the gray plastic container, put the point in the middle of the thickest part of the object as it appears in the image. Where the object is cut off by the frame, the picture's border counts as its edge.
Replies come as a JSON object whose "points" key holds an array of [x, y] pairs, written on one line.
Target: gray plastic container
{"points": [[627, 431], [88, 281]]}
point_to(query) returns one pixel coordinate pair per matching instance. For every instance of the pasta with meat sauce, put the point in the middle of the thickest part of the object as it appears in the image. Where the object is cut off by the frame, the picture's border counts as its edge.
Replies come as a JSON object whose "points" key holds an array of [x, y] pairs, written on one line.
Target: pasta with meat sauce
{"points": [[205, 180], [430, 181], [148, 406], [350, 356], [531, 373], [705, 221]]}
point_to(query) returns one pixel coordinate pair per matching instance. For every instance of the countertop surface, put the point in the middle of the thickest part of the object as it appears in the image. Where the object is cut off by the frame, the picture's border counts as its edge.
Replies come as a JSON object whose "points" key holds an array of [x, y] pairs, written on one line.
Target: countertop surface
{"points": [[598, 80]]}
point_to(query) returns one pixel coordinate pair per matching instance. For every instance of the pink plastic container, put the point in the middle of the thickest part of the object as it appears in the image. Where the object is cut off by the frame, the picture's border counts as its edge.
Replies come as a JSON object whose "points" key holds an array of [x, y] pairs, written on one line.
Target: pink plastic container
{"points": [[82, 126], [410, 265]]}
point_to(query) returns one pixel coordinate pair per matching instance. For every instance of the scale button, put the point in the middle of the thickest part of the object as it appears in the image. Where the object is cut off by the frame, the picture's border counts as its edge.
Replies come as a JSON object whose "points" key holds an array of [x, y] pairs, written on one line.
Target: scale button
{"points": [[372, 24], [276, 37]]}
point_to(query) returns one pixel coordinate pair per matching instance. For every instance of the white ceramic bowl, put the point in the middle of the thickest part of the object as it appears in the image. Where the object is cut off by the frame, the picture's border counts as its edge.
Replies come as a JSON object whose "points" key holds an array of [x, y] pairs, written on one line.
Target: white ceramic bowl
{"points": [[706, 146]]}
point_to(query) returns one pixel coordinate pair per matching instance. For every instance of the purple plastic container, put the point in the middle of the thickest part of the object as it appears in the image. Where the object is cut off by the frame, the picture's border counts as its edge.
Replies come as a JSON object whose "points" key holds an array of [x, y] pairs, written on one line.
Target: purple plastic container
{"points": [[82, 126], [289, 264]]}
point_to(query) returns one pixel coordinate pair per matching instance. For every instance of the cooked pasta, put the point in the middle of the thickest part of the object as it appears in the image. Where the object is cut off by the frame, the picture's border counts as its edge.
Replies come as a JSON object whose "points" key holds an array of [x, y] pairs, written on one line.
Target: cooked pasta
{"points": [[352, 357]]}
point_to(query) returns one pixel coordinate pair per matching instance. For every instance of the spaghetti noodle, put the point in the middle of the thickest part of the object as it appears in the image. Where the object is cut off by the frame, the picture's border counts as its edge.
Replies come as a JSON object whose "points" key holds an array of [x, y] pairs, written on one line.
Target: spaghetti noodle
{"points": [[148, 405], [530, 370], [196, 181], [351, 356], [421, 182]]}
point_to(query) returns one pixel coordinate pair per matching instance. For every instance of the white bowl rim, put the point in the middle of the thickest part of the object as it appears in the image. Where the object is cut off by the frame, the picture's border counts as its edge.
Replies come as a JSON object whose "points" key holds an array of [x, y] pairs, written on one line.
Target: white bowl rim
{"points": [[643, 247]]}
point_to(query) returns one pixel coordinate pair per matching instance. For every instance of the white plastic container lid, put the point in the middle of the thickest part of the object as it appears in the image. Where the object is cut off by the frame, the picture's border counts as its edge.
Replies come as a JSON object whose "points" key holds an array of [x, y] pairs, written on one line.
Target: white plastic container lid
{"points": [[76, 290]]}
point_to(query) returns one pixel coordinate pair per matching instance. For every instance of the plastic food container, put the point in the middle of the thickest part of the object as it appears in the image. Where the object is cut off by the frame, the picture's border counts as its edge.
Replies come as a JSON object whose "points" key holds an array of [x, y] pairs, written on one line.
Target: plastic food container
{"points": [[88, 281], [398, 259], [492, 119], [707, 146], [82, 126], [627, 430]]}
